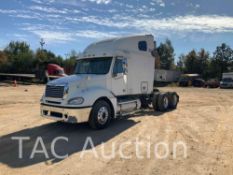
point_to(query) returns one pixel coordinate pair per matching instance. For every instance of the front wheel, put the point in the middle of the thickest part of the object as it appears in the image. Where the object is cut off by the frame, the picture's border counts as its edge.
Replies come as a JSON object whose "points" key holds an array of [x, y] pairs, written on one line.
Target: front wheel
{"points": [[101, 115]]}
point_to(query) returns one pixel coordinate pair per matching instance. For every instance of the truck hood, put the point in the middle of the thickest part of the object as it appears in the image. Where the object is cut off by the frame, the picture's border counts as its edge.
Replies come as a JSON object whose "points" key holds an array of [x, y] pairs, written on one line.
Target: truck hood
{"points": [[68, 80], [80, 81]]}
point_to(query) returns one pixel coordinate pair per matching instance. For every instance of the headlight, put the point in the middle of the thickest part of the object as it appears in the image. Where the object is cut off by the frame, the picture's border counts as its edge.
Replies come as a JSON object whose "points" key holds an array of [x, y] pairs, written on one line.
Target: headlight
{"points": [[76, 101]]}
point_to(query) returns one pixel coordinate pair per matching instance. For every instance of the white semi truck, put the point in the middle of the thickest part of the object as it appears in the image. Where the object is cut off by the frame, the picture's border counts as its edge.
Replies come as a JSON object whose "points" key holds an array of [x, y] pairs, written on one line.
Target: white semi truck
{"points": [[112, 78]]}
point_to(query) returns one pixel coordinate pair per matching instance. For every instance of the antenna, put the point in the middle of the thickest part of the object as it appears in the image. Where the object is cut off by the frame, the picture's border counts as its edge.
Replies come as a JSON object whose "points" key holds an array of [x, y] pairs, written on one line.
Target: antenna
{"points": [[67, 55], [42, 43]]}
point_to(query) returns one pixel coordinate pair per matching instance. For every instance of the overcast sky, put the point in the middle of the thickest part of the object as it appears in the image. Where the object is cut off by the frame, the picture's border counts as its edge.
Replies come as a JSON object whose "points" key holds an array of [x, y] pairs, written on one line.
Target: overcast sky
{"points": [[73, 24]]}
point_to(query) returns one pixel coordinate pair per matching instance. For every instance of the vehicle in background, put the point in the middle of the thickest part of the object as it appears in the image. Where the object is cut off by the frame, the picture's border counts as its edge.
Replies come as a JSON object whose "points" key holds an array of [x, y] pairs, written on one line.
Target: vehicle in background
{"points": [[48, 72], [167, 76], [226, 83], [212, 83], [55, 71], [198, 82], [187, 79], [227, 80], [227, 75], [43, 73], [107, 84]]}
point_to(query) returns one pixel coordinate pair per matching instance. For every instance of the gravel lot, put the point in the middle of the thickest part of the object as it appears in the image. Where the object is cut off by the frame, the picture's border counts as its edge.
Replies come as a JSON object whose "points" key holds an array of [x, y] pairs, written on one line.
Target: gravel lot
{"points": [[203, 121]]}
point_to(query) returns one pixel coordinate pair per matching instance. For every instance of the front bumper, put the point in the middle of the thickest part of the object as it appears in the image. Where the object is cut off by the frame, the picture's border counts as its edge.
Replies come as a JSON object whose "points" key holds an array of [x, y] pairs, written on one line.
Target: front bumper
{"points": [[226, 86], [69, 115]]}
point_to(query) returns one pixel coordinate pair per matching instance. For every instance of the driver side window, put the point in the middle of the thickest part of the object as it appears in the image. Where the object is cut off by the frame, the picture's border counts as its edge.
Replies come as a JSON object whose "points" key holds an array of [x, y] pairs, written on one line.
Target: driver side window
{"points": [[118, 67]]}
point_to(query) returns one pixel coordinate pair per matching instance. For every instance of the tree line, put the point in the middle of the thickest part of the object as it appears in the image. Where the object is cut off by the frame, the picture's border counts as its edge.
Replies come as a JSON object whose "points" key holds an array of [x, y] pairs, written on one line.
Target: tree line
{"points": [[18, 57], [198, 62]]}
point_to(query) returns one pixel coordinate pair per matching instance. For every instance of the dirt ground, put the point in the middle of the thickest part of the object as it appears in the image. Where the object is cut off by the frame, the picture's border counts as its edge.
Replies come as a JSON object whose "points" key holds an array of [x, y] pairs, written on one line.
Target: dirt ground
{"points": [[203, 121]]}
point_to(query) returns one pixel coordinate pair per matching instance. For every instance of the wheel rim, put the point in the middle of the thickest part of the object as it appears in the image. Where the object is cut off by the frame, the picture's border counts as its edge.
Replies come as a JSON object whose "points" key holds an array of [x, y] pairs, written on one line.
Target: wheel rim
{"points": [[174, 100], [165, 102], [102, 115]]}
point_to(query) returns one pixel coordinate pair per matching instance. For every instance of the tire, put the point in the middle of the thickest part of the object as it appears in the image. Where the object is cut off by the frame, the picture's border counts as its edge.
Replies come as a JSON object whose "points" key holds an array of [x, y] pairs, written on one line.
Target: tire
{"points": [[155, 100], [163, 102], [101, 115], [173, 100]]}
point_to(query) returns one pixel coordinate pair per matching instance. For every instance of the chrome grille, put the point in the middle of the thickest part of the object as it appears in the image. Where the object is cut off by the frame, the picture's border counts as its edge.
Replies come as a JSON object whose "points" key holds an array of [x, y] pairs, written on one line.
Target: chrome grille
{"points": [[54, 91]]}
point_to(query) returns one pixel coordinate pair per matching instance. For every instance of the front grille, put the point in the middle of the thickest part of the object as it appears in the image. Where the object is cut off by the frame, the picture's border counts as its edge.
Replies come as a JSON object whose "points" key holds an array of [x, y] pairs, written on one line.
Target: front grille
{"points": [[54, 91]]}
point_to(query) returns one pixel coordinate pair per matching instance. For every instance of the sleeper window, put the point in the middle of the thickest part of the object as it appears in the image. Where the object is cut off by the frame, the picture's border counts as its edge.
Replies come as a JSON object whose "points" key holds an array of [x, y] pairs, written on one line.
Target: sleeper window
{"points": [[142, 45]]}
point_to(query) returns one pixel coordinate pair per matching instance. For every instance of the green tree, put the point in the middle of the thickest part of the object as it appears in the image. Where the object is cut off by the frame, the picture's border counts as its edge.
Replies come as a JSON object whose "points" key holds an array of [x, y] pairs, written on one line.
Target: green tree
{"points": [[203, 59], [20, 57], [70, 62], [3, 62], [197, 62], [3, 58], [44, 57], [191, 63], [180, 63], [222, 60], [166, 54]]}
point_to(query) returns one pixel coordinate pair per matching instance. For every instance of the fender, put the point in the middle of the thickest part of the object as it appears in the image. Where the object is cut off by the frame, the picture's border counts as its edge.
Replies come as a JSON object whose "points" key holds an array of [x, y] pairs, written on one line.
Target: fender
{"points": [[92, 94]]}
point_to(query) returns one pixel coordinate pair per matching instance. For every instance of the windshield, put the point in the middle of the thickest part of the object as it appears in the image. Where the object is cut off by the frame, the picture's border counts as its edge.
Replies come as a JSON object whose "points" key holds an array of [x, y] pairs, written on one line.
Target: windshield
{"points": [[61, 72], [227, 80], [93, 66]]}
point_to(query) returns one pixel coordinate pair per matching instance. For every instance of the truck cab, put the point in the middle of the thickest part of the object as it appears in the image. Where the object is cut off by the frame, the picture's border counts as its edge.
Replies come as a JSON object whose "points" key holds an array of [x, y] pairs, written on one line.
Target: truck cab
{"points": [[55, 71], [112, 78]]}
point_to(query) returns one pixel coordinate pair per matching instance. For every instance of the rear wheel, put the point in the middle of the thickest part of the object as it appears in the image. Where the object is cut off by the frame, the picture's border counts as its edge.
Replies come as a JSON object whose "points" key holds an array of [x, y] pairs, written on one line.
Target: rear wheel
{"points": [[173, 100], [101, 115], [163, 102]]}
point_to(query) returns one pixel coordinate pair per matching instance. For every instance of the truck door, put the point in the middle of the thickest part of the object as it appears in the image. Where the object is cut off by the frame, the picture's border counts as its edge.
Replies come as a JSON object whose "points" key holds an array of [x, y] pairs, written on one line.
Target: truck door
{"points": [[119, 74]]}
